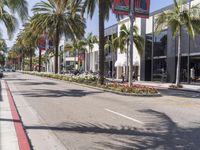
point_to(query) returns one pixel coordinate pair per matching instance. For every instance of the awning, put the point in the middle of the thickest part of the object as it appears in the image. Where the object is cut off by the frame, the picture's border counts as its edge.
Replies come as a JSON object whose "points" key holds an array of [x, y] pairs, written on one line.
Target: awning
{"points": [[122, 61]]}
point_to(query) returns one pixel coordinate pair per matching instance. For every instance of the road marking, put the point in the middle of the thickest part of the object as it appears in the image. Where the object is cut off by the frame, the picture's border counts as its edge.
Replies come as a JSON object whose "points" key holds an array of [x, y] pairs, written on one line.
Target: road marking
{"points": [[132, 119]]}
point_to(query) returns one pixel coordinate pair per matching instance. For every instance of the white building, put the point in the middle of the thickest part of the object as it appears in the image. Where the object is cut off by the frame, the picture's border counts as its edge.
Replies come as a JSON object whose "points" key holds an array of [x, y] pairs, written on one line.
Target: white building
{"points": [[92, 59]]}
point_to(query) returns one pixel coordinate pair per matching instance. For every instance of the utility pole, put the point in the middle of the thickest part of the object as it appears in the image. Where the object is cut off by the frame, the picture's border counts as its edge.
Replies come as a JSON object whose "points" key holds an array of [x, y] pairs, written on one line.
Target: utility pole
{"points": [[131, 15]]}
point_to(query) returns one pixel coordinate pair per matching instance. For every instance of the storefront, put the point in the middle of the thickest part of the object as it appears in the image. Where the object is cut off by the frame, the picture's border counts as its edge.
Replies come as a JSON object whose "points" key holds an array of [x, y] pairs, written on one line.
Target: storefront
{"points": [[160, 58]]}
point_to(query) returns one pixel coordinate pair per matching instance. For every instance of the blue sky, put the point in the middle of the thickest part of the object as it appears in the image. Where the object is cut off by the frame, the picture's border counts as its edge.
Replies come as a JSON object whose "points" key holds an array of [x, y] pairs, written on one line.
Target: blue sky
{"points": [[92, 25]]}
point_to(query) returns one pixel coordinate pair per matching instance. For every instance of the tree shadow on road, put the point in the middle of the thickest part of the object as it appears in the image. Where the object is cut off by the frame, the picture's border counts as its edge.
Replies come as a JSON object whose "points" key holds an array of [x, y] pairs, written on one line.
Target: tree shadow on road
{"points": [[15, 79], [159, 132], [58, 93], [37, 83], [179, 93]]}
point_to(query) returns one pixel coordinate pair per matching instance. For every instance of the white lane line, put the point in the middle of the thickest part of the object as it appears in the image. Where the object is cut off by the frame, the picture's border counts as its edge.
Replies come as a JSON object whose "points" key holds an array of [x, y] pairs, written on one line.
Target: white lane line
{"points": [[132, 119]]}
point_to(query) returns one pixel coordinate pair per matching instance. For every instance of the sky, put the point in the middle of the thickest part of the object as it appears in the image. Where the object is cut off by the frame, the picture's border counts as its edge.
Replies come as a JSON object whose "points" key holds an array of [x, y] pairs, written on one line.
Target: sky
{"points": [[92, 24]]}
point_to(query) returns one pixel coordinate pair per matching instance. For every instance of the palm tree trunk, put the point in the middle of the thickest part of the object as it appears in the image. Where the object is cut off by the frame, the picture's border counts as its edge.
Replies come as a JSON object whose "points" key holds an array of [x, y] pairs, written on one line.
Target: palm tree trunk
{"points": [[178, 60], [23, 61], [56, 50], [20, 62], [127, 67], [101, 41], [131, 50], [89, 59], [75, 60], [40, 60], [31, 60]]}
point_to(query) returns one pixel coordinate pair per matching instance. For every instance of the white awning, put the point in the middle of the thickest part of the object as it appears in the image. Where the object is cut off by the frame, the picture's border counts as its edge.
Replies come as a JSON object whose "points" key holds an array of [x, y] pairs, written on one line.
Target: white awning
{"points": [[122, 61]]}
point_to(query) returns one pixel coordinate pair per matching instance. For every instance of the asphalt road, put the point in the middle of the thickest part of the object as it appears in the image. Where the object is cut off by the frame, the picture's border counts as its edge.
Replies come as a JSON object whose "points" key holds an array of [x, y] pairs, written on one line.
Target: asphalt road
{"points": [[59, 115]]}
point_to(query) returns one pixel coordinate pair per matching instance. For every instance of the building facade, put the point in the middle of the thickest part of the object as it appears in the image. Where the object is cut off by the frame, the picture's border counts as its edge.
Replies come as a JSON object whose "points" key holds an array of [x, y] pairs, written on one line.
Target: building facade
{"points": [[159, 61]]}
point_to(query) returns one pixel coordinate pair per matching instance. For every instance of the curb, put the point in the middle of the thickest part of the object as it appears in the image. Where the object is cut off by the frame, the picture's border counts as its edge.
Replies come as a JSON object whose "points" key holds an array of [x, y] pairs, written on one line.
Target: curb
{"points": [[186, 90], [20, 132]]}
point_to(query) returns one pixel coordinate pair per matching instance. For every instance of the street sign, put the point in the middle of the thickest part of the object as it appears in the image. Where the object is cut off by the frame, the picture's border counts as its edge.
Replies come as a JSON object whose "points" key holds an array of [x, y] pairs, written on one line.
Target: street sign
{"points": [[141, 7]]}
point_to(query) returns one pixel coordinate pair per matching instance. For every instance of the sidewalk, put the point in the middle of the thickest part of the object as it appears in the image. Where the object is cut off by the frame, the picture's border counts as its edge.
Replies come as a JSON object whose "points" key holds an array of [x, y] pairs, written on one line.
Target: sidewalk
{"points": [[12, 135], [159, 85]]}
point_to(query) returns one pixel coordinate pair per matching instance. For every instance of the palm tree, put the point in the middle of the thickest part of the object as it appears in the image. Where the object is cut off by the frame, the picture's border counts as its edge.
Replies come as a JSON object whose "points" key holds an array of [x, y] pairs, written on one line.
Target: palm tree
{"points": [[27, 40], [10, 7], [13, 56], [3, 45], [114, 44], [124, 40], [76, 46], [104, 8], [58, 18], [91, 40], [176, 19], [3, 50]]}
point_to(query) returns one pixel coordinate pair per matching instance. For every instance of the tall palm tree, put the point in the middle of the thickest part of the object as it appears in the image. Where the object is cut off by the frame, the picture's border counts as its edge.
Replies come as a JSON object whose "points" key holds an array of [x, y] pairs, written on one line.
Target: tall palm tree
{"points": [[59, 17], [13, 56], [10, 7], [114, 44], [104, 8], [124, 40], [27, 40], [176, 19], [91, 40]]}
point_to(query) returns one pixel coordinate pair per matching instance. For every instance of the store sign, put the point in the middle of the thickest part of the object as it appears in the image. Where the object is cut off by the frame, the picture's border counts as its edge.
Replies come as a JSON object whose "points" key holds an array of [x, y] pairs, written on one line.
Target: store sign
{"points": [[122, 7], [42, 42]]}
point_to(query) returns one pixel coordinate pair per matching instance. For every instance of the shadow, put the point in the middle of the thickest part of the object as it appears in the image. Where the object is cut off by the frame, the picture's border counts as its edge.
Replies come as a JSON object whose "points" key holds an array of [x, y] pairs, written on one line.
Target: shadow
{"points": [[58, 93], [159, 132], [12, 79], [9, 120], [179, 93], [37, 83]]}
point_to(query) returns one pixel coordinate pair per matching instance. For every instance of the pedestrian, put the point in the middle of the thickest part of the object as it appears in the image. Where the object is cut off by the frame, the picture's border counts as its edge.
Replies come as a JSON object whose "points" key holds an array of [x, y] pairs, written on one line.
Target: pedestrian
{"points": [[113, 75], [192, 74], [122, 76]]}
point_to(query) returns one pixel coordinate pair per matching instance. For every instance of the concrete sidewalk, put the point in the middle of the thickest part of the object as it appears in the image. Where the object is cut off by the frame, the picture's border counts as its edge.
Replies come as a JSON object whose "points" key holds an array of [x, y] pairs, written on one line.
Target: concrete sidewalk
{"points": [[8, 136], [159, 85]]}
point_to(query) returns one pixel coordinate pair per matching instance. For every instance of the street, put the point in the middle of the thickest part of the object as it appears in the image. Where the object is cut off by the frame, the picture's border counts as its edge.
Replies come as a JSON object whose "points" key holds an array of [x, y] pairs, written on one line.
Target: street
{"points": [[58, 115]]}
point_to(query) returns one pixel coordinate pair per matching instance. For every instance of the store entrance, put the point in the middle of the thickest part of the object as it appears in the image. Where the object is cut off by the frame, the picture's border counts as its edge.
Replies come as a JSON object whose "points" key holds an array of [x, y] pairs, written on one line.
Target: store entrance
{"points": [[195, 69]]}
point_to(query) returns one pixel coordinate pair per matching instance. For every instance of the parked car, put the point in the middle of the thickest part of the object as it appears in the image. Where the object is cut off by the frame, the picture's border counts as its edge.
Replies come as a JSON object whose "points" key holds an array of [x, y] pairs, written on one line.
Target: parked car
{"points": [[1, 73]]}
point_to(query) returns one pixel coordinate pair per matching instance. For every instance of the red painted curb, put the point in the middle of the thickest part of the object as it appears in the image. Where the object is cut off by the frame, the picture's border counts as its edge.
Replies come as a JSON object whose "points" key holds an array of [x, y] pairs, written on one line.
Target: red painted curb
{"points": [[21, 135]]}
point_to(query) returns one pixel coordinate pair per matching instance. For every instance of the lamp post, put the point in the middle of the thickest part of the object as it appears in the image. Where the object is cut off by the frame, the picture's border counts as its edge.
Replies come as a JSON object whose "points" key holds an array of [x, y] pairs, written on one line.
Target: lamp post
{"points": [[131, 15]]}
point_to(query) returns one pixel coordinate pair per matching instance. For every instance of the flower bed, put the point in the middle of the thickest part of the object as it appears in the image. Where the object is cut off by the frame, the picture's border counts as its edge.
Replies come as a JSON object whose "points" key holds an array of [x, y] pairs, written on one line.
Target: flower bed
{"points": [[136, 89], [91, 80]]}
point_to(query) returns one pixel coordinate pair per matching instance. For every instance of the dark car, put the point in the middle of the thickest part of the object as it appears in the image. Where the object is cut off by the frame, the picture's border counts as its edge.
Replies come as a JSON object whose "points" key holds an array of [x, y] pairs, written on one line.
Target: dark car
{"points": [[1, 73]]}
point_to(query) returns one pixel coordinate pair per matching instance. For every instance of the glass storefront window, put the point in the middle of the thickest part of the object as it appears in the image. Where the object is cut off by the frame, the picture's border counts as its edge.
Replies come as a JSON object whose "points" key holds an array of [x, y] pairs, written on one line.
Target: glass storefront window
{"points": [[148, 46], [159, 70], [160, 44], [195, 69]]}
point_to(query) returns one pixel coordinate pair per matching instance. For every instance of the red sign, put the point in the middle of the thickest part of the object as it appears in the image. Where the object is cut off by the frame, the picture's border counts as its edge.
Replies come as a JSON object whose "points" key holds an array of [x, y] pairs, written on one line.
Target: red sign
{"points": [[42, 42], [122, 7]]}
